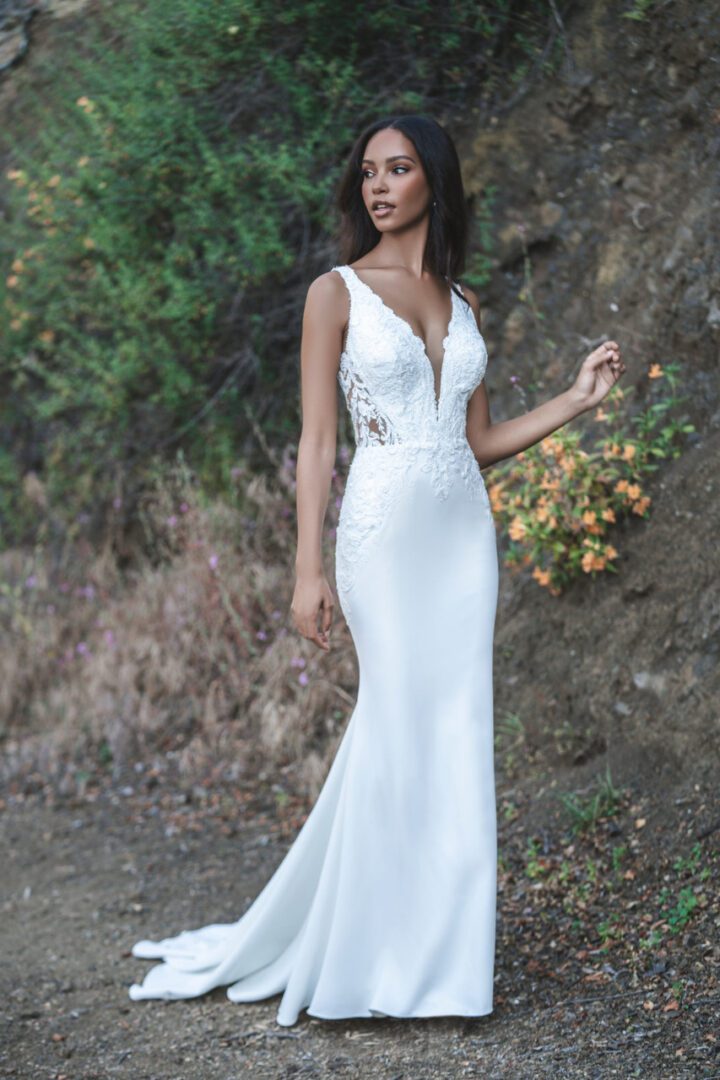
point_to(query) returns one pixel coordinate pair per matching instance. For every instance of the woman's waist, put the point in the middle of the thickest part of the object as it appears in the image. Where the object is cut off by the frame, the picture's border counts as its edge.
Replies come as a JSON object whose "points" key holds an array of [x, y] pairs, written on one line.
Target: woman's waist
{"points": [[410, 447]]}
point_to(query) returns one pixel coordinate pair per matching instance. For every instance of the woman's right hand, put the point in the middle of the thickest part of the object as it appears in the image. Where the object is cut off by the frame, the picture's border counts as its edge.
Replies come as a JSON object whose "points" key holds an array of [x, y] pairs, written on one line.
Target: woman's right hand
{"points": [[312, 608]]}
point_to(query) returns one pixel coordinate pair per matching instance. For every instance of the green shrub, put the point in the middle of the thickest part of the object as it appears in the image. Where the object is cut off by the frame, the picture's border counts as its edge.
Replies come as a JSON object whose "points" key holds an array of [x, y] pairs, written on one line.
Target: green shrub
{"points": [[558, 500], [172, 205]]}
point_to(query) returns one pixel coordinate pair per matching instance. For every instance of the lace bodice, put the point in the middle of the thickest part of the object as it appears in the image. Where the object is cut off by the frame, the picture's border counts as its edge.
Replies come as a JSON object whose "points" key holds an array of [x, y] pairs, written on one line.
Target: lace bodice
{"points": [[387, 377], [401, 426]]}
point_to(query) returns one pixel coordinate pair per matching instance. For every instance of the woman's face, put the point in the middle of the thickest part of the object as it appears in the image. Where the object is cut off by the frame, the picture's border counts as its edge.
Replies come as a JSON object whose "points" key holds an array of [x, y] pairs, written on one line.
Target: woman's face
{"points": [[394, 188]]}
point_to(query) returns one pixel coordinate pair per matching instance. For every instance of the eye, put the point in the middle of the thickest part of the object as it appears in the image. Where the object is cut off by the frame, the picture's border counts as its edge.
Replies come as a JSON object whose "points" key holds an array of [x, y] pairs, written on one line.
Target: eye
{"points": [[366, 173], [403, 168]]}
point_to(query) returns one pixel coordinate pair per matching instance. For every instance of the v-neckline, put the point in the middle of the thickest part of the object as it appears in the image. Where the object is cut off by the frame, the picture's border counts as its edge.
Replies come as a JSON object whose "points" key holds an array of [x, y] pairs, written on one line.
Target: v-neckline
{"points": [[437, 397]]}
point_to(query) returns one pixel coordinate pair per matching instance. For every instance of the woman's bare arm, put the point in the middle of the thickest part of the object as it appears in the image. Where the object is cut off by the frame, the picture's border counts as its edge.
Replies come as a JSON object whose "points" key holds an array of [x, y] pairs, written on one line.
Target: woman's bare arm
{"points": [[493, 442], [324, 321]]}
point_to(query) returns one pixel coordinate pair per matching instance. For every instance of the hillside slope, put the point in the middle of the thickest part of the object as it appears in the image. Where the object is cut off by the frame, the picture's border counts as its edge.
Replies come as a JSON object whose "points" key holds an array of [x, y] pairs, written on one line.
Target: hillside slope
{"points": [[615, 177]]}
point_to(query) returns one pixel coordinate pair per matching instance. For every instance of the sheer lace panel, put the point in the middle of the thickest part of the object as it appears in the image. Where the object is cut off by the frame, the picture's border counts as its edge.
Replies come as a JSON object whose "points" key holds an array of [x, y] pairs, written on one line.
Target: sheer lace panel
{"points": [[370, 426]]}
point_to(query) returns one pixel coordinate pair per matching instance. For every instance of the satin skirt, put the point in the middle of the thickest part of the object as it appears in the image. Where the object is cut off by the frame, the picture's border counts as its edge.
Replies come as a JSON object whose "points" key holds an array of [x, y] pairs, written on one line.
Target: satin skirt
{"points": [[385, 904]]}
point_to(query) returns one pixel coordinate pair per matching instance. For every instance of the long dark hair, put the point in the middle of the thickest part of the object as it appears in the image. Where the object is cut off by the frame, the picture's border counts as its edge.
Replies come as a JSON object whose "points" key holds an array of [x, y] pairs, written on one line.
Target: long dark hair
{"points": [[447, 234]]}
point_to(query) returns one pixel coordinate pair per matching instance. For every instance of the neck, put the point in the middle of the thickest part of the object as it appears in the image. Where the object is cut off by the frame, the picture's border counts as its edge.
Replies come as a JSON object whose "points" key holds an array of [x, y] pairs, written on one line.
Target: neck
{"points": [[405, 247]]}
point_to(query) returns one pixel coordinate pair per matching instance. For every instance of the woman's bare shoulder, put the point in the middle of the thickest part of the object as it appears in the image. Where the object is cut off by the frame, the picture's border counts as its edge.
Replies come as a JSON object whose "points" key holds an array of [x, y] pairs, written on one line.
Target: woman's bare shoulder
{"points": [[327, 298]]}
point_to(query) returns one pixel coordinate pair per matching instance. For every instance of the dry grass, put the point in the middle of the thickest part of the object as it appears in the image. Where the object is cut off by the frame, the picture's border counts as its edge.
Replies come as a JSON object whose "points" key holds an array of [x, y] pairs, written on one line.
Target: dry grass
{"points": [[190, 657]]}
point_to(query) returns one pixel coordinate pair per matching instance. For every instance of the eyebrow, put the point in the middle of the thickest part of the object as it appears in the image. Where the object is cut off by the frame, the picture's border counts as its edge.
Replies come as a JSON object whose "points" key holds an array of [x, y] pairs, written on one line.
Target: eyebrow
{"points": [[396, 157]]}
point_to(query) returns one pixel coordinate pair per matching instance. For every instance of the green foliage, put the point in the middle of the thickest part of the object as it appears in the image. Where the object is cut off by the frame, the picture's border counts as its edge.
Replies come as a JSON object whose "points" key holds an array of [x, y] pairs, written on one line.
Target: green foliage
{"points": [[640, 10], [174, 201], [585, 813], [558, 500]]}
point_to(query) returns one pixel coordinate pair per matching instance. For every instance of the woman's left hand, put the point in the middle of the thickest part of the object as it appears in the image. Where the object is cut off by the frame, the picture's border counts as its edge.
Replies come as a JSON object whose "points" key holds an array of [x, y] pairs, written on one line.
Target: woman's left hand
{"points": [[598, 374]]}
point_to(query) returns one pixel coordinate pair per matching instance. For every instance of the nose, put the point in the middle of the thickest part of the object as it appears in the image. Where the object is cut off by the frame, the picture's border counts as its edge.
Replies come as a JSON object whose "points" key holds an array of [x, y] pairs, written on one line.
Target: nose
{"points": [[379, 184]]}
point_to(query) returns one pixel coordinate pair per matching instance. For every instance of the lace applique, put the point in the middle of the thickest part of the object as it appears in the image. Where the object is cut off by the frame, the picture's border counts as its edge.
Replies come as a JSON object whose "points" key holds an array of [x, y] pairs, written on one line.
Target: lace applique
{"points": [[370, 425]]}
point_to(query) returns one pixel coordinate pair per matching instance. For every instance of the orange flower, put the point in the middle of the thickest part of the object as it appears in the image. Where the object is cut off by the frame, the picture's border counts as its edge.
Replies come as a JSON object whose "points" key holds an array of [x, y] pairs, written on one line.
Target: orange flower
{"points": [[517, 529], [11, 281], [17, 265], [641, 506], [608, 514], [622, 485], [600, 414], [587, 561], [628, 452], [542, 513], [54, 180], [541, 576], [634, 491], [495, 493], [610, 552], [592, 561], [47, 336], [655, 371], [589, 517]]}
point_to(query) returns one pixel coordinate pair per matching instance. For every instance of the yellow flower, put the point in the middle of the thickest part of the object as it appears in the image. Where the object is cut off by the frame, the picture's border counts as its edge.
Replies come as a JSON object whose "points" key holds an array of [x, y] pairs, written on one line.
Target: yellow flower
{"points": [[517, 529], [541, 576], [608, 514], [655, 371], [628, 452]]}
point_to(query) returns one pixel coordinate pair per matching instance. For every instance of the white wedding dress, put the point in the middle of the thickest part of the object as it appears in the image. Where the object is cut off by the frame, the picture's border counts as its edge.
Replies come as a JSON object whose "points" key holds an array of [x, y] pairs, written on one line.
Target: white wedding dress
{"points": [[385, 904]]}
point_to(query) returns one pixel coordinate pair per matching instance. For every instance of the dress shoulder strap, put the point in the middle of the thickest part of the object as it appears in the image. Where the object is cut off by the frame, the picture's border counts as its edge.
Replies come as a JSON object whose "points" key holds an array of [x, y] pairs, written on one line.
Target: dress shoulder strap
{"points": [[346, 274]]}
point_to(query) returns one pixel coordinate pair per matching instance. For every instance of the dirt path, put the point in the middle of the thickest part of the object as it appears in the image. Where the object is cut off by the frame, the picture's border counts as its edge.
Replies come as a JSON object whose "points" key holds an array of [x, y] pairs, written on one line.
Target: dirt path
{"points": [[85, 878]]}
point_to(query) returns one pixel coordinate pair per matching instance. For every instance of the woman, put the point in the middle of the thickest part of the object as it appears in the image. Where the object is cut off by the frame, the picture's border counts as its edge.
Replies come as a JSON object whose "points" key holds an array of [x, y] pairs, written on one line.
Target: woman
{"points": [[385, 903]]}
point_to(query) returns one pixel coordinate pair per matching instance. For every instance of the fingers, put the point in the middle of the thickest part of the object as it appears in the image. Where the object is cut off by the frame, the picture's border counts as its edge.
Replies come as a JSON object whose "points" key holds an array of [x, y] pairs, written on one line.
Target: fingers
{"points": [[307, 627], [327, 615], [608, 353]]}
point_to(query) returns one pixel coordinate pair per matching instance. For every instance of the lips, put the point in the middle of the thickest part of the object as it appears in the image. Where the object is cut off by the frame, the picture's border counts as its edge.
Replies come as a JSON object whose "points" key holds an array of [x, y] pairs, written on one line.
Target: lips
{"points": [[381, 208]]}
